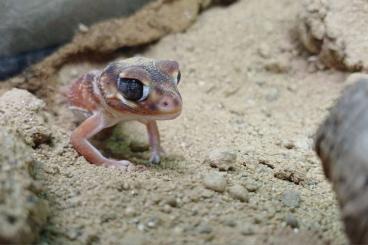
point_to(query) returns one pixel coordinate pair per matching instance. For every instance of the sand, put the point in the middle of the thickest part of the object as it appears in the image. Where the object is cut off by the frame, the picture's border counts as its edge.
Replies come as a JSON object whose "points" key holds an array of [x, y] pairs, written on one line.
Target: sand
{"points": [[252, 95]]}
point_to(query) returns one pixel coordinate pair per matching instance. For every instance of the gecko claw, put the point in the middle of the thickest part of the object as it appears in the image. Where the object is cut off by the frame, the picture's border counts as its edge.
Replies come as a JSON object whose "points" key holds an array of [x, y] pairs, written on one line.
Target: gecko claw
{"points": [[155, 159]]}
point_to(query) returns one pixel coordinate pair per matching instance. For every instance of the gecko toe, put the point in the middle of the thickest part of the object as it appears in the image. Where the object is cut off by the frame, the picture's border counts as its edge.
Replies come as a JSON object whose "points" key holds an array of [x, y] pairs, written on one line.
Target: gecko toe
{"points": [[155, 159]]}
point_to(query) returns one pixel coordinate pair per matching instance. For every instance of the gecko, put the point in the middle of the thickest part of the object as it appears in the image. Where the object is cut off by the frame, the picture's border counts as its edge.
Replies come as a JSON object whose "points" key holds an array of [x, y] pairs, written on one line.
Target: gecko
{"points": [[137, 88]]}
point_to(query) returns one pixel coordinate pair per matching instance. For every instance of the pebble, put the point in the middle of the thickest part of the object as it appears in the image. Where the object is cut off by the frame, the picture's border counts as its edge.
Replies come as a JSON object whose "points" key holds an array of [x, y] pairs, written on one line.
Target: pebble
{"points": [[264, 51], [215, 182], [204, 228], [166, 209], [239, 192], [251, 186], [258, 218], [130, 212], [291, 221], [222, 159], [290, 175], [141, 227], [279, 65], [207, 194], [172, 201], [153, 222], [247, 230], [291, 199], [230, 223]]}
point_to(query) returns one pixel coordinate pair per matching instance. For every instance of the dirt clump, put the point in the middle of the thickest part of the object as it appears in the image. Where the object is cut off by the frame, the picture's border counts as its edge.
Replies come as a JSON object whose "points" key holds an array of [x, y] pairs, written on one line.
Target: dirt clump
{"points": [[22, 212], [334, 30]]}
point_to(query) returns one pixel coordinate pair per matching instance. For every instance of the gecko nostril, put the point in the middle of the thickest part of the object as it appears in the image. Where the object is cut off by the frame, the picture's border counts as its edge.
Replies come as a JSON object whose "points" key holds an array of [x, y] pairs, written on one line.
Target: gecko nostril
{"points": [[165, 103]]}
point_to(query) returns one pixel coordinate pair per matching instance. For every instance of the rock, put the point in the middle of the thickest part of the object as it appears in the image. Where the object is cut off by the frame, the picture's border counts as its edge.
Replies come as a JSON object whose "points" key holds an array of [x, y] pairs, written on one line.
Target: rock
{"points": [[341, 145], [172, 202], [264, 51], [291, 221], [153, 222], [22, 213], [290, 175], [251, 186], [222, 159], [215, 182], [206, 194], [247, 230], [23, 113], [230, 222], [204, 228], [278, 65], [130, 212], [291, 199], [333, 30], [239, 192], [166, 209]]}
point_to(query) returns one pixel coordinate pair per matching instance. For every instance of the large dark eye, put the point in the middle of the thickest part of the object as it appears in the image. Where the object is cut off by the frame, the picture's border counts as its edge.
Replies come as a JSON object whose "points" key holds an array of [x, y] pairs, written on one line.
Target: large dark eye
{"points": [[178, 78], [132, 89]]}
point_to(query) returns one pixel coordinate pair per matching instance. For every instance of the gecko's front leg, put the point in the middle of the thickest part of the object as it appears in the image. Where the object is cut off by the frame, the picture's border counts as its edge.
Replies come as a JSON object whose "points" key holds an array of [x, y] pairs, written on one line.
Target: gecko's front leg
{"points": [[79, 139], [154, 141]]}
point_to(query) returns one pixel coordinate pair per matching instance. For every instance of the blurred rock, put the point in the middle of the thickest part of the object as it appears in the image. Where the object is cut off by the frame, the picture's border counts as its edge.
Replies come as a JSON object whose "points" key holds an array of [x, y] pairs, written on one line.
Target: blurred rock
{"points": [[32, 25], [21, 113], [22, 213], [341, 144], [334, 30]]}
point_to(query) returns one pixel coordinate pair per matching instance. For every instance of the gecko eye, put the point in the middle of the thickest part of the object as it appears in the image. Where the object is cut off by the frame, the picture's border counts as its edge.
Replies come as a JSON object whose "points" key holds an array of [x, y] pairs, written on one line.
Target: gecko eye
{"points": [[178, 77], [132, 89]]}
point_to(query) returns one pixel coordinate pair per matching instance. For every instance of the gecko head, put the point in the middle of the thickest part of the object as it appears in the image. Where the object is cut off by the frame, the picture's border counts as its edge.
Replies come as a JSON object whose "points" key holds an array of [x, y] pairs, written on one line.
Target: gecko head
{"points": [[143, 87]]}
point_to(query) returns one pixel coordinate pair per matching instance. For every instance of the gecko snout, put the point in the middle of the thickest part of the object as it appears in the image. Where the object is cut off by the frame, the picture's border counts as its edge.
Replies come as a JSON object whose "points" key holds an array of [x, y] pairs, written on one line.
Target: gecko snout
{"points": [[170, 105]]}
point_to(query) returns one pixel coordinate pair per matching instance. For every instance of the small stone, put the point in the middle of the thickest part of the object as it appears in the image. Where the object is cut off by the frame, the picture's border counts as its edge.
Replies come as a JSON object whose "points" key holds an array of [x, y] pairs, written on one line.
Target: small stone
{"points": [[222, 159], [230, 223], [247, 230], [291, 199], [82, 27], [215, 182], [239, 192], [251, 186], [204, 228], [289, 145], [207, 194], [141, 227], [279, 65], [172, 202], [289, 175], [153, 222], [178, 230], [264, 51], [73, 234], [166, 209], [291, 221], [130, 212], [258, 218], [108, 217]]}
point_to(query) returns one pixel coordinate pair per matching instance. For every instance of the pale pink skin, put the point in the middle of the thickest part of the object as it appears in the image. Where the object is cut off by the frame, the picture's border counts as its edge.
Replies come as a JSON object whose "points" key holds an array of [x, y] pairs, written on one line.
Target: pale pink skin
{"points": [[96, 95]]}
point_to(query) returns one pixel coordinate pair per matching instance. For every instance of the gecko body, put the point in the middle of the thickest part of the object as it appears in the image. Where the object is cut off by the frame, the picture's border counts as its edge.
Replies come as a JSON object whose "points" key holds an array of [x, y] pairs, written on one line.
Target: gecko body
{"points": [[138, 88]]}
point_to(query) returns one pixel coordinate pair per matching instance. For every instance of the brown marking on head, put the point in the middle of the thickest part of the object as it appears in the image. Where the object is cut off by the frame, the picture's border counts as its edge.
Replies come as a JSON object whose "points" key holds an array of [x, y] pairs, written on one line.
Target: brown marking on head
{"points": [[158, 78]]}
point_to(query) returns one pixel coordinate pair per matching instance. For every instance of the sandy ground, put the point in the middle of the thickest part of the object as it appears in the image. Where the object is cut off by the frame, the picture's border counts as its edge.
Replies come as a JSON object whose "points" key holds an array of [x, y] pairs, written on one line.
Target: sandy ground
{"points": [[249, 92]]}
